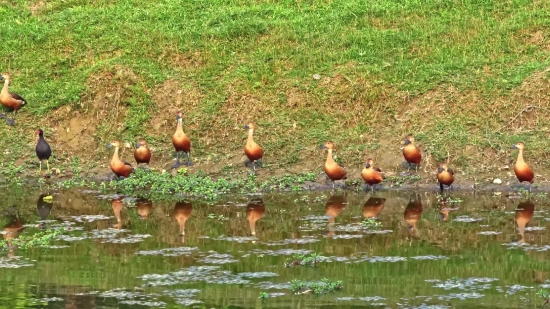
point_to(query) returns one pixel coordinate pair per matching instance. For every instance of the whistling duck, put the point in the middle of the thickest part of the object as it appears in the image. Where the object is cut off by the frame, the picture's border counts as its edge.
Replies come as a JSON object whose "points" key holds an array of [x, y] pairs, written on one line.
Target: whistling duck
{"points": [[412, 213], [117, 206], [182, 212], [372, 175], [373, 207], [143, 208], [120, 168], [524, 214], [11, 100], [43, 150], [181, 143], [445, 176], [411, 153], [252, 150], [333, 170], [522, 170], [44, 206], [254, 211], [142, 154], [333, 207]]}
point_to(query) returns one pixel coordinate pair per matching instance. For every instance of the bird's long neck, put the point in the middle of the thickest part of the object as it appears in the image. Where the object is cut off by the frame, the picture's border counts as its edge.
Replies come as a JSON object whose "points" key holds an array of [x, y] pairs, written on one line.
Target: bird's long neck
{"points": [[115, 155], [179, 127], [5, 88], [329, 156], [520, 157], [250, 140]]}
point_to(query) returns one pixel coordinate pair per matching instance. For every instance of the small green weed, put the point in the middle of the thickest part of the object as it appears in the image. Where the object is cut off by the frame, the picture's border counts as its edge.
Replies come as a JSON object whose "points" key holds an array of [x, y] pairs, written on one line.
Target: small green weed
{"points": [[30, 241], [371, 224], [302, 260], [545, 295], [324, 286]]}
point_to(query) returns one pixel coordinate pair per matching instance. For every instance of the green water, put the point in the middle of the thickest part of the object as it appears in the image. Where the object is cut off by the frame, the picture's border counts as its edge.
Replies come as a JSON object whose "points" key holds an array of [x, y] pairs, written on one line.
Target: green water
{"points": [[425, 253]]}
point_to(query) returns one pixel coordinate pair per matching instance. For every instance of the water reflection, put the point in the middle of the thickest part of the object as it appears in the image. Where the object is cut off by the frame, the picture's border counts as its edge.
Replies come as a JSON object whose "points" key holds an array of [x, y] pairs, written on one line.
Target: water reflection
{"points": [[182, 212], [444, 208], [373, 207], [13, 228], [44, 206], [117, 206], [254, 211], [334, 206], [524, 214], [412, 214], [143, 208]]}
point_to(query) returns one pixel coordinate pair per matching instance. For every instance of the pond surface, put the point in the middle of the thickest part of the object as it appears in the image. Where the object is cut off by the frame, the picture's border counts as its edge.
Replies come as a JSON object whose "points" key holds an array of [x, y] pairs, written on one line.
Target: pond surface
{"points": [[393, 250]]}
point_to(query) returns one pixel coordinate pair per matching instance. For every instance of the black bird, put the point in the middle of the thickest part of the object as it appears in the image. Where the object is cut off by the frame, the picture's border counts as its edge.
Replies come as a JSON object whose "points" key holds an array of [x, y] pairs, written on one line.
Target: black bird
{"points": [[43, 150], [44, 206]]}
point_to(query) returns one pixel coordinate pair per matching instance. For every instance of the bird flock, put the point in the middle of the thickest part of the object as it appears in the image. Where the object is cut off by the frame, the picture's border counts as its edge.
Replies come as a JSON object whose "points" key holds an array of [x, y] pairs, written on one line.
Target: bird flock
{"points": [[182, 144]]}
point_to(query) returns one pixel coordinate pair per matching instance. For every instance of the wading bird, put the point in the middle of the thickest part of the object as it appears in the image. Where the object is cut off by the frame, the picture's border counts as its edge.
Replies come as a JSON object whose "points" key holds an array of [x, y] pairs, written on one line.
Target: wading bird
{"points": [[120, 168], [142, 154], [43, 150], [333, 170], [372, 175], [523, 170], [445, 176], [11, 100], [252, 150], [411, 153], [181, 142]]}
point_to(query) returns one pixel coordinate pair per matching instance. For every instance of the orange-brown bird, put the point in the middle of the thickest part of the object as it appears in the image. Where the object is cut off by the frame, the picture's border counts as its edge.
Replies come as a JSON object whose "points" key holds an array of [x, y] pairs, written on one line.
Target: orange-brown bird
{"points": [[252, 150], [11, 100], [445, 176], [181, 143], [142, 154], [333, 170], [372, 175], [523, 170], [121, 169], [411, 153]]}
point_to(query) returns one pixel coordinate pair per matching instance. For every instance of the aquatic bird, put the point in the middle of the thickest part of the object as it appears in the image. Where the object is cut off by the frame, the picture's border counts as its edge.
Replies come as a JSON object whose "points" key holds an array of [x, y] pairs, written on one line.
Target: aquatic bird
{"points": [[142, 154], [252, 150], [44, 206], [11, 100], [143, 208], [522, 170], [255, 210], [120, 168], [445, 176], [182, 212], [524, 214], [412, 213], [373, 207], [333, 207], [181, 143], [333, 170], [15, 226], [372, 175], [43, 150], [117, 206], [411, 153]]}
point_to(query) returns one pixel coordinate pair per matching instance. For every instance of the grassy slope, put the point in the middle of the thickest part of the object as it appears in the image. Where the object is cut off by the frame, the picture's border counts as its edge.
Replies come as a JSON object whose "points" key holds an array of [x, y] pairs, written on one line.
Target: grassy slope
{"points": [[451, 72]]}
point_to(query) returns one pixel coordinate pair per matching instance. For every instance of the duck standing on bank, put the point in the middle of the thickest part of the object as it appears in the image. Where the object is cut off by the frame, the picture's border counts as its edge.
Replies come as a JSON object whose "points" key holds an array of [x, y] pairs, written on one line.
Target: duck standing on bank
{"points": [[333, 170], [142, 154], [121, 169], [11, 100], [181, 143], [252, 150], [522, 170], [372, 175], [445, 176], [43, 150], [411, 153]]}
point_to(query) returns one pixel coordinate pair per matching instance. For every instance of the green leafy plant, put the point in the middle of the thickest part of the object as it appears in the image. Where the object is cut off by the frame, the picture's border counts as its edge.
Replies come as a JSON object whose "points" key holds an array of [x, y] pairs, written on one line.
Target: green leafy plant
{"points": [[324, 286], [30, 241], [371, 224], [302, 260]]}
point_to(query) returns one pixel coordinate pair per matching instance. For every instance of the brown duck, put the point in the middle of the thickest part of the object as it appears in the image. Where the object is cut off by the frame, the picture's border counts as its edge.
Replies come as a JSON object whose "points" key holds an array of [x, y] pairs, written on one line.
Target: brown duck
{"points": [[181, 143], [252, 150], [142, 154], [411, 153], [11, 100], [372, 175], [445, 176], [523, 170], [333, 170], [120, 168]]}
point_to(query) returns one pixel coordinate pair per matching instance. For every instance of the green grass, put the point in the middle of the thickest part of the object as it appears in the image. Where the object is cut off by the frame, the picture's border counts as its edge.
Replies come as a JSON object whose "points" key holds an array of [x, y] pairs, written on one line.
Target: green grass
{"points": [[254, 60]]}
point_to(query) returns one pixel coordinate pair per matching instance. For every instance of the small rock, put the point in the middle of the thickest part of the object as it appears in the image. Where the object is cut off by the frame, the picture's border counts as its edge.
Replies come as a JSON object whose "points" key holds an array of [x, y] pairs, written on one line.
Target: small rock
{"points": [[497, 181], [505, 167], [316, 76]]}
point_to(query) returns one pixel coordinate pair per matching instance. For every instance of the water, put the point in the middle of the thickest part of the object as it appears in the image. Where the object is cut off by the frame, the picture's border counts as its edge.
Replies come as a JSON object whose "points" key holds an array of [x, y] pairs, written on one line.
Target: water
{"points": [[418, 252]]}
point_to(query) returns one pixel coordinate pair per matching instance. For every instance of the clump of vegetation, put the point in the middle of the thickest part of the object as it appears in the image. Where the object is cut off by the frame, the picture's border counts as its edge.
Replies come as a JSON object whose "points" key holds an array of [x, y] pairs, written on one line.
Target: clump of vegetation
{"points": [[448, 199], [203, 186], [302, 260], [39, 239], [324, 286], [371, 224], [545, 295], [264, 295], [398, 181]]}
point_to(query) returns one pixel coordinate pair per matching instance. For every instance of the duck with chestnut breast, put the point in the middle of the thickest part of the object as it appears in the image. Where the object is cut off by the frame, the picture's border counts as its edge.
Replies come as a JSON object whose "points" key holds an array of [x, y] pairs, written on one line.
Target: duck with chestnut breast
{"points": [[11, 100], [372, 175], [181, 143], [411, 153], [142, 154], [333, 170], [43, 150], [121, 169], [252, 150], [445, 176], [523, 170]]}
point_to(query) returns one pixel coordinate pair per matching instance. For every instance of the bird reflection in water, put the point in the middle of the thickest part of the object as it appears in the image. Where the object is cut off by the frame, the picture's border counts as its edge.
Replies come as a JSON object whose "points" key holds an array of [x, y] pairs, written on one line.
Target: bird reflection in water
{"points": [[12, 229], [524, 214], [117, 208], [182, 212], [444, 207], [44, 206], [143, 208], [373, 207], [412, 214], [254, 211], [334, 206]]}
